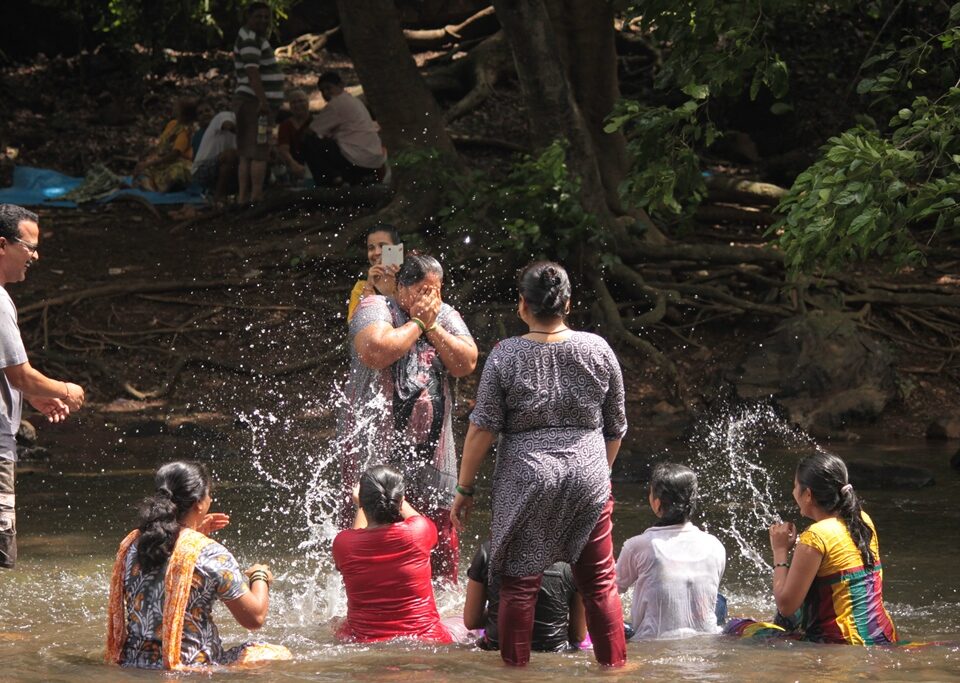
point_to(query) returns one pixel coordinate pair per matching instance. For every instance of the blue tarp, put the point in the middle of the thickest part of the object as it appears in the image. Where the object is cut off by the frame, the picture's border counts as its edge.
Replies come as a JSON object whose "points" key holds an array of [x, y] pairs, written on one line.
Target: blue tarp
{"points": [[42, 187]]}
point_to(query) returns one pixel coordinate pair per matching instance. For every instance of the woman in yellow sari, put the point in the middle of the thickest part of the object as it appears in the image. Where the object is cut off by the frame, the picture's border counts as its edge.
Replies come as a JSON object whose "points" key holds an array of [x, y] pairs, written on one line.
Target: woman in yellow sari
{"points": [[167, 575], [169, 166]]}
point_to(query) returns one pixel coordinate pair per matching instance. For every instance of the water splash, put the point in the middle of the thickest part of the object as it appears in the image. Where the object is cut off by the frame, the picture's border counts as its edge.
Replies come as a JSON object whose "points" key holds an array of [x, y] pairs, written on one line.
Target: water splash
{"points": [[745, 459]]}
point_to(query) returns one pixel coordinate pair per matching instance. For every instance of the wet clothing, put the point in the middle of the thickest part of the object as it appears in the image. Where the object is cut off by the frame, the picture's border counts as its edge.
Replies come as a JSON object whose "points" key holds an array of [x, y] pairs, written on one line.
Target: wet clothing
{"points": [[402, 416], [675, 573], [845, 602], [597, 582], [551, 620], [554, 405], [161, 619], [386, 572]]}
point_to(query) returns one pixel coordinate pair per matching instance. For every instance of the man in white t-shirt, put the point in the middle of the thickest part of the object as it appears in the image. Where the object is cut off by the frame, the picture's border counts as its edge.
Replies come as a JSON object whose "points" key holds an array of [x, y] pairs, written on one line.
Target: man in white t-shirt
{"points": [[345, 143], [19, 243]]}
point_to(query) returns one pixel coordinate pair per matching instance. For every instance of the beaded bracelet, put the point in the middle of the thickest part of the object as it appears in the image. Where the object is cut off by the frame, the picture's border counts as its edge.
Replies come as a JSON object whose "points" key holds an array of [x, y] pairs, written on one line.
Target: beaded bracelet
{"points": [[781, 564]]}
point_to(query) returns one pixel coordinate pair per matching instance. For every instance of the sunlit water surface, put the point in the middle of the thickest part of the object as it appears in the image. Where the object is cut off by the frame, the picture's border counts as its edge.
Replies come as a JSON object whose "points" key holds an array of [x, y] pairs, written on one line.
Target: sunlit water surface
{"points": [[53, 606]]}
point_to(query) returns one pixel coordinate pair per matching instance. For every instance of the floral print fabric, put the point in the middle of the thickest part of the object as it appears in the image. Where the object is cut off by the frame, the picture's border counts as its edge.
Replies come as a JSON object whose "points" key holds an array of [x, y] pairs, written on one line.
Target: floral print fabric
{"points": [[215, 576]]}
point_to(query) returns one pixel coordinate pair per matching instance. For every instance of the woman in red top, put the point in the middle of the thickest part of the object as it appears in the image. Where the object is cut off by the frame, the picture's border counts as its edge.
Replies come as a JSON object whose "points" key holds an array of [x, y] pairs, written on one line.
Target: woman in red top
{"points": [[385, 563]]}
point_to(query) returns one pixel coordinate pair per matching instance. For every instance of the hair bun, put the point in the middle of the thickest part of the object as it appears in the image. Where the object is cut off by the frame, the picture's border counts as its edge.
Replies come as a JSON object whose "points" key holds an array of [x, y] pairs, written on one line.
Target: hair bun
{"points": [[165, 492], [550, 277]]}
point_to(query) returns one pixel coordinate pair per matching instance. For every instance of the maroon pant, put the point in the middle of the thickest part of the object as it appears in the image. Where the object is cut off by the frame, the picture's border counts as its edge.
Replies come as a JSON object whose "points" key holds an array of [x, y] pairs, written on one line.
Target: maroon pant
{"points": [[596, 580]]}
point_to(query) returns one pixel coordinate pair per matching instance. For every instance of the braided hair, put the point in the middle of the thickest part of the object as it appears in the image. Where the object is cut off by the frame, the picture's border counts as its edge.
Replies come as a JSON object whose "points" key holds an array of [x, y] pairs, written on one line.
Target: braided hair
{"points": [[381, 494], [825, 475], [179, 485]]}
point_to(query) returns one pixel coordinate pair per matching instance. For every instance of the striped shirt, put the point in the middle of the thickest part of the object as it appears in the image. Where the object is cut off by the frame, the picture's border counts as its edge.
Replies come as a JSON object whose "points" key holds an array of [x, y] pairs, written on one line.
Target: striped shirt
{"points": [[253, 50], [845, 602]]}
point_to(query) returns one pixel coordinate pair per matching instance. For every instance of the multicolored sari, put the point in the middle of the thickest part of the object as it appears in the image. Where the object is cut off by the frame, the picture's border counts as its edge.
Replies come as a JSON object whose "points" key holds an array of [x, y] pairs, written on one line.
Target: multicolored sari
{"points": [[179, 580]]}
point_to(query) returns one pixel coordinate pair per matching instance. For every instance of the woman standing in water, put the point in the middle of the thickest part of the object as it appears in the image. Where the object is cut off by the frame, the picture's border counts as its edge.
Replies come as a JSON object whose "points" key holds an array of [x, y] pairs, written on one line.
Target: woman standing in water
{"points": [[555, 397], [835, 578], [385, 563], [168, 574], [398, 405]]}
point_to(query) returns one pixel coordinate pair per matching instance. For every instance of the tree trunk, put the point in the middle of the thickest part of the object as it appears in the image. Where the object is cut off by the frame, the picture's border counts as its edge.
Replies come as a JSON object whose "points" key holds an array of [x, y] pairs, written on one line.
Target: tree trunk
{"points": [[551, 106], [407, 111], [585, 32]]}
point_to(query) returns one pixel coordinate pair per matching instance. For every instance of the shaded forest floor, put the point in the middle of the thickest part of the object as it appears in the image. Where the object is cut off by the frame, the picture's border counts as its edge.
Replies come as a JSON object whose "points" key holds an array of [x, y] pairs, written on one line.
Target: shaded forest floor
{"points": [[221, 321]]}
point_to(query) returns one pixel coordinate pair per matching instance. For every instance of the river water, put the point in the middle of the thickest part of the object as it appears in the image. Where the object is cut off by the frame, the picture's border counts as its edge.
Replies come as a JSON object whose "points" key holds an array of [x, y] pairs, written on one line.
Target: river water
{"points": [[52, 607]]}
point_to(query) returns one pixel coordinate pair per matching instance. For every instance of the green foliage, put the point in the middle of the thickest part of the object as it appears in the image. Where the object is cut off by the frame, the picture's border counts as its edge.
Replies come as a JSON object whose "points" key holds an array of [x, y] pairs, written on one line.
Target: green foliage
{"points": [[534, 209], [872, 189], [869, 190], [726, 44], [665, 179]]}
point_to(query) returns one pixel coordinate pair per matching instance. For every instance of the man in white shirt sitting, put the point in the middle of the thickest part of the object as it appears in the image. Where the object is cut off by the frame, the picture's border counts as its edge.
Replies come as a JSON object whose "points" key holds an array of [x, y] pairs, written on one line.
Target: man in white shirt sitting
{"points": [[345, 143]]}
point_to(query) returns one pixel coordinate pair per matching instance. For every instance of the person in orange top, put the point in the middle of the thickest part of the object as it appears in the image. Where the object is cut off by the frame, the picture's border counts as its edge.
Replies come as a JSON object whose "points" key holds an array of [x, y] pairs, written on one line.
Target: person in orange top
{"points": [[169, 166], [167, 575]]}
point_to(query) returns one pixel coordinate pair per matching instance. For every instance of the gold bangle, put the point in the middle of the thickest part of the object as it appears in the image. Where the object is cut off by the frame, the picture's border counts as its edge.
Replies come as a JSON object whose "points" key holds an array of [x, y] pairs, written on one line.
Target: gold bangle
{"points": [[420, 324]]}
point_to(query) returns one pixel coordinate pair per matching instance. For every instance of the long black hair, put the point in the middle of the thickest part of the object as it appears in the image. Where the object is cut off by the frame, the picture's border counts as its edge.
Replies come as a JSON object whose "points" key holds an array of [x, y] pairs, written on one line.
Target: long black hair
{"points": [[180, 484], [676, 487], [826, 477], [381, 494], [545, 286]]}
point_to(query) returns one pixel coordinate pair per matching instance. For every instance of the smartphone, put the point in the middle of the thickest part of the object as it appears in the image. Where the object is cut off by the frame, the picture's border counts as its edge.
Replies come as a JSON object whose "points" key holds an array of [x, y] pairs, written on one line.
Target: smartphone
{"points": [[392, 255]]}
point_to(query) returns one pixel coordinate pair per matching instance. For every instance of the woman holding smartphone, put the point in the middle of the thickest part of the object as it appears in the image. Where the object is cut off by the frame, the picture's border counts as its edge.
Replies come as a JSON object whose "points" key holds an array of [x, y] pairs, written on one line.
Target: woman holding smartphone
{"points": [[381, 278]]}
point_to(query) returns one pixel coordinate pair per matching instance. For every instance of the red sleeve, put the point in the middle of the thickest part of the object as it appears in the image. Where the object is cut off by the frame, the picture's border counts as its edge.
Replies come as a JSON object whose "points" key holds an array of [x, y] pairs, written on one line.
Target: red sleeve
{"points": [[423, 532], [285, 133], [341, 545]]}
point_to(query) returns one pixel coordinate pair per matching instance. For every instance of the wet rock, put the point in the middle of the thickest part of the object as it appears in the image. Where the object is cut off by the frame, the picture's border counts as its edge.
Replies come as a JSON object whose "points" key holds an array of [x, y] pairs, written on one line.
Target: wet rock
{"points": [[823, 370], [945, 427], [33, 454], [884, 475], [27, 434], [145, 428]]}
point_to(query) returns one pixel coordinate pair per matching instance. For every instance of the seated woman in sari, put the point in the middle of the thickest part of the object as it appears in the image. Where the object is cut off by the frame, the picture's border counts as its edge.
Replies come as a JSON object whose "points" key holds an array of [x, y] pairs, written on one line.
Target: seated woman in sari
{"points": [[385, 563], [169, 166], [168, 574]]}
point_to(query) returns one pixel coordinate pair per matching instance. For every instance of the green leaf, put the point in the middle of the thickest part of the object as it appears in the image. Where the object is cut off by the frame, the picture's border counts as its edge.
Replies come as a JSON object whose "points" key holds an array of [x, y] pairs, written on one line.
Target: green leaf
{"points": [[780, 108], [697, 91]]}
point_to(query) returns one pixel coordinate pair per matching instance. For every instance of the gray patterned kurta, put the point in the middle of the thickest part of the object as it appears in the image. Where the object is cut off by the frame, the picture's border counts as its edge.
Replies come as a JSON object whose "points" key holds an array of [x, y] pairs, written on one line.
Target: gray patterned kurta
{"points": [[554, 404]]}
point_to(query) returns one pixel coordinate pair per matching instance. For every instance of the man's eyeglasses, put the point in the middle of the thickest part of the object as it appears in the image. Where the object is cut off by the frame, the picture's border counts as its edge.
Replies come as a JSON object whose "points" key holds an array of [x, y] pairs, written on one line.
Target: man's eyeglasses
{"points": [[32, 248]]}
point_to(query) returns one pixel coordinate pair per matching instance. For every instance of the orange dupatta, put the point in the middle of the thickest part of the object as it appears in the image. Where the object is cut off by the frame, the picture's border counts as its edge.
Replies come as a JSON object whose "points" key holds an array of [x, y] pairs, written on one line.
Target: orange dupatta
{"points": [[176, 586]]}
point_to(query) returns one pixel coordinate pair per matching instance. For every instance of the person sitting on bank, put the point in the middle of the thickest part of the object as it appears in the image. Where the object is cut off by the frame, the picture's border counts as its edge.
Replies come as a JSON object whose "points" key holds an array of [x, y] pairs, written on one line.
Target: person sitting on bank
{"points": [[385, 563], [345, 145], [291, 131], [673, 567], [215, 164], [168, 167], [559, 622], [168, 574]]}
